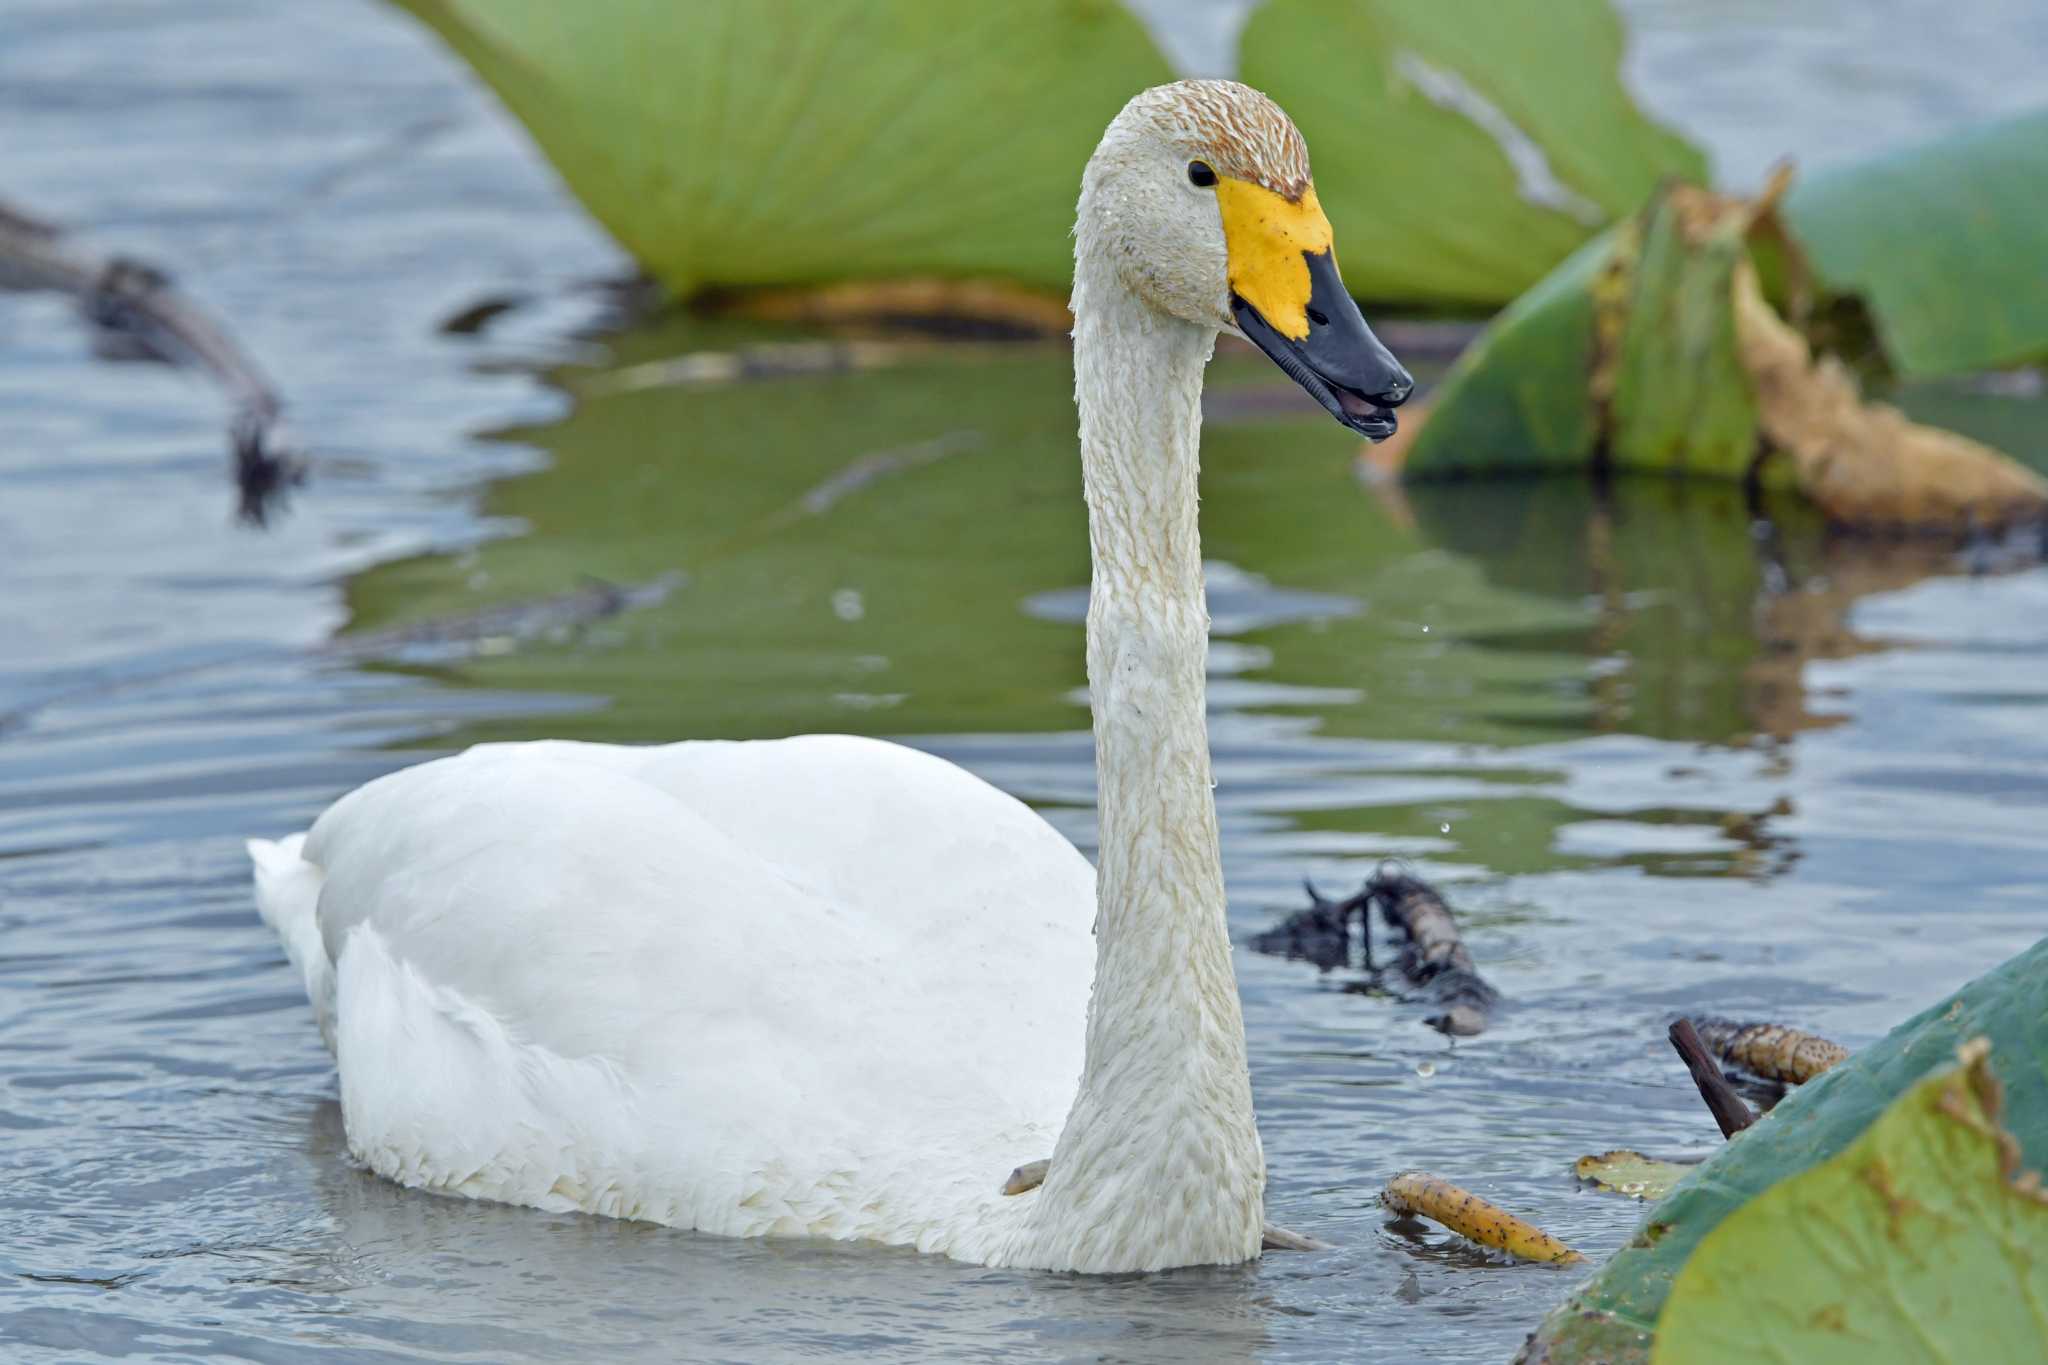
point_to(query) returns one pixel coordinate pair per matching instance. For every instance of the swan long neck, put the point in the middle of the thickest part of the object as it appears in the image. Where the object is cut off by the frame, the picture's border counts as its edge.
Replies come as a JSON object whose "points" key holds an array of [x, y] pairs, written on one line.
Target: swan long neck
{"points": [[1159, 1163]]}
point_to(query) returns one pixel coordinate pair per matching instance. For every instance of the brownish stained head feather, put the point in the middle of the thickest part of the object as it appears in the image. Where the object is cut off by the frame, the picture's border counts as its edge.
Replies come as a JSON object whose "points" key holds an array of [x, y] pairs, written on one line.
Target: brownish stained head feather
{"points": [[1236, 129]]}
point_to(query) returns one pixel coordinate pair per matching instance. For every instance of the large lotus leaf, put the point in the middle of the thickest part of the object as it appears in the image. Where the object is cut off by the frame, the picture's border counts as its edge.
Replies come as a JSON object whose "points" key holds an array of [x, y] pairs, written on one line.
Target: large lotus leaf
{"points": [[1654, 348], [1611, 1318], [1921, 1241], [1461, 148], [1947, 243], [756, 142]]}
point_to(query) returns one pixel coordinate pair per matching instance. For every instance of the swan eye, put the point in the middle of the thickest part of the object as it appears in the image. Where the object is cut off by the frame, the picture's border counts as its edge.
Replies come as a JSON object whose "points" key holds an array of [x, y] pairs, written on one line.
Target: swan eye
{"points": [[1200, 175]]}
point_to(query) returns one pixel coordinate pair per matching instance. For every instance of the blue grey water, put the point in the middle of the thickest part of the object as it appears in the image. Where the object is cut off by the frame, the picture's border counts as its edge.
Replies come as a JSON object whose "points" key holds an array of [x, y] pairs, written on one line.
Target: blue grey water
{"points": [[174, 1184]]}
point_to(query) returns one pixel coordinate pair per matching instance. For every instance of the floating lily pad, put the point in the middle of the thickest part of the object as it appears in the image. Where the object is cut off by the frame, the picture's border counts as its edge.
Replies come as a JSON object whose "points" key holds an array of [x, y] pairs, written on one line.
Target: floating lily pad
{"points": [[1631, 1173]]}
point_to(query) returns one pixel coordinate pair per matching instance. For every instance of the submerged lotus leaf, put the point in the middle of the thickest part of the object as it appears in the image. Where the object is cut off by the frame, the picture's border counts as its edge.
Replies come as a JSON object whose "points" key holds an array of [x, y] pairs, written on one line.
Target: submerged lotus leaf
{"points": [[763, 142], [1460, 150], [1612, 1316], [1921, 1241], [1946, 243], [1631, 1173]]}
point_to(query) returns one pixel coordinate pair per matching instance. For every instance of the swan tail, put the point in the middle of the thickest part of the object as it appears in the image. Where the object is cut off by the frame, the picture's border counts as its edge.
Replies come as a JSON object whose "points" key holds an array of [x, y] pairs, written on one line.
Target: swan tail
{"points": [[288, 898]]}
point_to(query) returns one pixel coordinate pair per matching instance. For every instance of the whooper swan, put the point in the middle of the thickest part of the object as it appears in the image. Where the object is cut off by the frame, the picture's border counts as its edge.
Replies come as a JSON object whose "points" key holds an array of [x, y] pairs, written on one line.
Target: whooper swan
{"points": [[834, 987]]}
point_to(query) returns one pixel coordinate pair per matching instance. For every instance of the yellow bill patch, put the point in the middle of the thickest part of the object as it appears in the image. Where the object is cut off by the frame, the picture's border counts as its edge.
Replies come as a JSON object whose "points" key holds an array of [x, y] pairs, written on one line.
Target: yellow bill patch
{"points": [[1266, 235]]}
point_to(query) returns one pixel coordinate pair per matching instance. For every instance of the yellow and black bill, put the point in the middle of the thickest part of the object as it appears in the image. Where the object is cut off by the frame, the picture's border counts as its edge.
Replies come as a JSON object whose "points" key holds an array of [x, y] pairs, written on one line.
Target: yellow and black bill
{"points": [[1336, 357], [1289, 301]]}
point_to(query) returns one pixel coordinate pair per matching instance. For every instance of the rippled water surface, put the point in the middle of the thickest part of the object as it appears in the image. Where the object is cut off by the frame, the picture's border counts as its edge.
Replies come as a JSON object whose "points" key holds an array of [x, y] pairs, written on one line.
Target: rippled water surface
{"points": [[1665, 755]]}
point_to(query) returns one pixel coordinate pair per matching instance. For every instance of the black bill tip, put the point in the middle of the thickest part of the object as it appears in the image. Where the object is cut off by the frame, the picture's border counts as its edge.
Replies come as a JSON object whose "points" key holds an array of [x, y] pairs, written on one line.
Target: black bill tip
{"points": [[1340, 362]]}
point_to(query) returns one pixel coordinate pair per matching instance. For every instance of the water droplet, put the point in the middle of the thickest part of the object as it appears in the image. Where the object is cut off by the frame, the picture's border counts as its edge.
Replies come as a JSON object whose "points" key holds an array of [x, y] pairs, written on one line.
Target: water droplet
{"points": [[1425, 1069]]}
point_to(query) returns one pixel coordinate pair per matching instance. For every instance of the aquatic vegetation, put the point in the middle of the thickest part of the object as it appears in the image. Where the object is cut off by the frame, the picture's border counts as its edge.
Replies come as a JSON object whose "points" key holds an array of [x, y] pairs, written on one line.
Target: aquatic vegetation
{"points": [[1465, 149], [1773, 1052], [1656, 348], [1631, 1173], [1414, 1194], [1830, 1126], [1433, 954], [1920, 1240], [1943, 243], [738, 145]]}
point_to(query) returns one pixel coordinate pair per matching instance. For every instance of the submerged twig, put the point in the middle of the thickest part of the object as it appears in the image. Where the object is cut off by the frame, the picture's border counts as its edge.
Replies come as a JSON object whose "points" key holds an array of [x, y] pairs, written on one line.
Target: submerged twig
{"points": [[1772, 1052], [1728, 1109], [1435, 955], [135, 303], [517, 621], [1273, 1237], [1414, 1194]]}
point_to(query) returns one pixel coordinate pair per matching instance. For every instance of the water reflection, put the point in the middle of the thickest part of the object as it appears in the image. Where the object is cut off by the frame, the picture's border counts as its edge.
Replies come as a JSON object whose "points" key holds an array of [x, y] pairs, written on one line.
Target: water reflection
{"points": [[939, 590], [1701, 609]]}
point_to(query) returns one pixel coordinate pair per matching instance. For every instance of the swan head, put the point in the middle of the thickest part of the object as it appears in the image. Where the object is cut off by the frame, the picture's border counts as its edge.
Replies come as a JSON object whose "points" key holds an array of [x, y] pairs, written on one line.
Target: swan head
{"points": [[1200, 193]]}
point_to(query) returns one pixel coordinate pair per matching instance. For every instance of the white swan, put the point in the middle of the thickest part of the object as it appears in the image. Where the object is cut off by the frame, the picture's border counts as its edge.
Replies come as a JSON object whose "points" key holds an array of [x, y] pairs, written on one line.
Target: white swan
{"points": [[835, 987]]}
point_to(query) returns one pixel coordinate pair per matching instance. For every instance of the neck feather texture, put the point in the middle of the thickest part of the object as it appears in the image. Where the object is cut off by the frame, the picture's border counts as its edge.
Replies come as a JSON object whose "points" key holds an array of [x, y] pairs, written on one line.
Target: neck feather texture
{"points": [[1159, 1163]]}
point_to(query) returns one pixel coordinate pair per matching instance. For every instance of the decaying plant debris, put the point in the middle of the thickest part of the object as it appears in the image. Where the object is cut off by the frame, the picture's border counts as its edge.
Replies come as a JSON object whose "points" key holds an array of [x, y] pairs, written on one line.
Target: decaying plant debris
{"points": [[1771, 1052], [140, 315], [1865, 463], [1413, 1194], [1433, 955]]}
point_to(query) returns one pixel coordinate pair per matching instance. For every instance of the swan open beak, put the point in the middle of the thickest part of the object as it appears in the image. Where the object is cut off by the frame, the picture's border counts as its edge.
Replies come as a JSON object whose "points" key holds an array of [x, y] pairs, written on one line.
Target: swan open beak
{"points": [[1288, 299]]}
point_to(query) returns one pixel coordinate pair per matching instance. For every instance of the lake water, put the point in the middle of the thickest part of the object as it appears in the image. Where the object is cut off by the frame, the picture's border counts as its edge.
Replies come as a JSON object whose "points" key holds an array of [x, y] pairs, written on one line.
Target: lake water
{"points": [[1664, 757]]}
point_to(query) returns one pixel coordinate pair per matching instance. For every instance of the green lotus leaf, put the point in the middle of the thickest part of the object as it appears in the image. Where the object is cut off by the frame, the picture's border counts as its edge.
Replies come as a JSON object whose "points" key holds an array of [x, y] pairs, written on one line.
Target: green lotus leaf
{"points": [[1612, 1318], [770, 142], [1917, 1242], [1631, 1173], [1945, 242], [1464, 149]]}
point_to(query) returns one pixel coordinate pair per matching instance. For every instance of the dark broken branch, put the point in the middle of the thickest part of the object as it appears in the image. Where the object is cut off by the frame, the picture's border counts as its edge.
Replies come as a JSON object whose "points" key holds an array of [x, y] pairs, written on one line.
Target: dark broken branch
{"points": [[1728, 1109], [1434, 956], [140, 314], [1320, 934]]}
